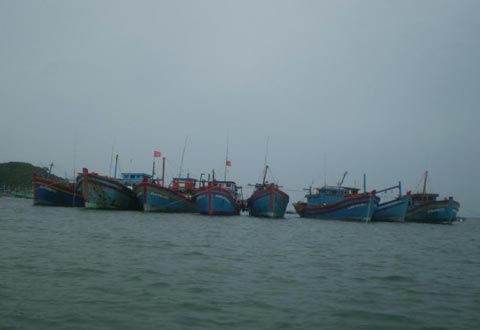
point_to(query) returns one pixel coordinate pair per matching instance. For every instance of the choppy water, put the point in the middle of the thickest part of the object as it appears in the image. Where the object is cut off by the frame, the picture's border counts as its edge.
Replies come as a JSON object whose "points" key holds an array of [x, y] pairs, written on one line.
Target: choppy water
{"points": [[64, 268]]}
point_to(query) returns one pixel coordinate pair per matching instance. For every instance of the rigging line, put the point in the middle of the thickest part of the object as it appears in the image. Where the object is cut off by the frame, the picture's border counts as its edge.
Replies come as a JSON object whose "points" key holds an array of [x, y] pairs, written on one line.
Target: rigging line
{"points": [[273, 178], [294, 190]]}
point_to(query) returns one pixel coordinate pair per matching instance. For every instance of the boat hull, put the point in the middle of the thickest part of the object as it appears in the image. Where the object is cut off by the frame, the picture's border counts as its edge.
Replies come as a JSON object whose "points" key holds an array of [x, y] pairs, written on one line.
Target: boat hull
{"points": [[157, 198], [443, 212], [394, 210], [270, 202], [101, 192], [47, 192], [216, 201], [355, 208]]}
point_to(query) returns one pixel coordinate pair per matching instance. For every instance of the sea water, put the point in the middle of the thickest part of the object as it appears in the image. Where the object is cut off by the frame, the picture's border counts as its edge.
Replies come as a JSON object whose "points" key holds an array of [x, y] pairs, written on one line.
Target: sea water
{"points": [[73, 268]]}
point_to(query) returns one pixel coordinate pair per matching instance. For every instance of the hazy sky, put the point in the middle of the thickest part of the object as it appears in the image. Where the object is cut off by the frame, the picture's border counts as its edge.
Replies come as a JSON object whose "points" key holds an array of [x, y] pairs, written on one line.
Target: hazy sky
{"points": [[387, 88]]}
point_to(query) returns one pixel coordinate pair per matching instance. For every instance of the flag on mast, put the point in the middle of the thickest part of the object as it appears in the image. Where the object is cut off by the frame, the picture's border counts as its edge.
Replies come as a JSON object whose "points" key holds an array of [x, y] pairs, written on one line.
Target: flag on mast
{"points": [[156, 154], [228, 163]]}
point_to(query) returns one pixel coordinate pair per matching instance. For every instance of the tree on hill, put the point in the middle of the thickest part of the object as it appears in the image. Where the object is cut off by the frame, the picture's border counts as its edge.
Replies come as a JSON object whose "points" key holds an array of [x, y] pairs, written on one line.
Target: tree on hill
{"points": [[18, 175]]}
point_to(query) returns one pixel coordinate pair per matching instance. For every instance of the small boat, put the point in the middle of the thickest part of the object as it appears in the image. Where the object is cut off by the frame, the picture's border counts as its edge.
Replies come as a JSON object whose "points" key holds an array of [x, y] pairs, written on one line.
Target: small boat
{"points": [[219, 198], [102, 192], [338, 202], [179, 196], [267, 200], [54, 193], [426, 207], [392, 210]]}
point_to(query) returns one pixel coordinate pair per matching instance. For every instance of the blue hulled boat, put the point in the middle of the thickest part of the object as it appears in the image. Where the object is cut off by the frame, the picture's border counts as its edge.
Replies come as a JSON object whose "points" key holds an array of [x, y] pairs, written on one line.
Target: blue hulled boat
{"points": [[267, 200], [178, 197], [102, 192], [426, 207], [53, 193], [393, 210], [219, 198], [338, 202]]}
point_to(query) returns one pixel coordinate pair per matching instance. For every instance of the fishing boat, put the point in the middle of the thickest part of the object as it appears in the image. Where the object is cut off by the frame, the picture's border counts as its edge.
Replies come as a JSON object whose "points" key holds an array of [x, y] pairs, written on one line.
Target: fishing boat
{"points": [[54, 193], [426, 207], [219, 198], [392, 210], [179, 196], [102, 192], [338, 202], [267, 200]]}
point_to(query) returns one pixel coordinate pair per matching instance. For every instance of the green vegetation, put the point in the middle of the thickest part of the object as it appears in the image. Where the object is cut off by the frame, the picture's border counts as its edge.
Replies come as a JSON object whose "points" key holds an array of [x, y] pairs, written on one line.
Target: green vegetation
{"points": [[17, 176]]}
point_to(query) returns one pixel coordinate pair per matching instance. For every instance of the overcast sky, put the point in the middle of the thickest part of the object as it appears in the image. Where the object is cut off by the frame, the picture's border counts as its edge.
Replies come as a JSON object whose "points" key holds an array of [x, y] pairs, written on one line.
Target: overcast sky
{"points": [[386, 88]]}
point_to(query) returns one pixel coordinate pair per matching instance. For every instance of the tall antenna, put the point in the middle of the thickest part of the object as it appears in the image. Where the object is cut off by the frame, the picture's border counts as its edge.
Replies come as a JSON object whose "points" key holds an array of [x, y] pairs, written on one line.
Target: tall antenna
{"points": [[183, 155]]}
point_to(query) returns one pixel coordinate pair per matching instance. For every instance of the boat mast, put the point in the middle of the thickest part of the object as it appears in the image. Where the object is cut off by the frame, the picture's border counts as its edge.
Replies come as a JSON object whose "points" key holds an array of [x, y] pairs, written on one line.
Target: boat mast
{"points": [[111, 161], [116, 163], [365, 183], [183, 155], [425, 183], [265, 175], [153, 168], [50, 169], [343, 178], [265, 162], [226, 158], [163, 171]]}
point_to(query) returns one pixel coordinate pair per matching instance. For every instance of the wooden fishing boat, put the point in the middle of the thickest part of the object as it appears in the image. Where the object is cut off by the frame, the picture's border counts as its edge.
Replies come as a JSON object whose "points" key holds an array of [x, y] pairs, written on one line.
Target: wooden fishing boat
{"points": [[179, 196], [267, 200], [426, 207], [338, 202], [54, 193], [102, 192], [219, 198], [392, 210]]}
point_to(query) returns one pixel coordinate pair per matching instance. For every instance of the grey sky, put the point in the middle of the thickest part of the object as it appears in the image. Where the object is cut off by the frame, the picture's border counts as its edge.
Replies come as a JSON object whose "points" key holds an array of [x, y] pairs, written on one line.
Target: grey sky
{"points": [[389, 88]]}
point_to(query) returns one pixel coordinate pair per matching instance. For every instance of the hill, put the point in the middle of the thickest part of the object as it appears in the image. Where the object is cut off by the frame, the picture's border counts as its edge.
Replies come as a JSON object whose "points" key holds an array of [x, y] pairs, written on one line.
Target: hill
{"points": [[17, 176]]}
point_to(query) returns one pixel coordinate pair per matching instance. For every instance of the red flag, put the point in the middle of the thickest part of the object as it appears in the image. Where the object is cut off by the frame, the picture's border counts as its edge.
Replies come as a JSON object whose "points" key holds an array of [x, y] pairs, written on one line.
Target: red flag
{"points": [[228, 163], [156, 154]]}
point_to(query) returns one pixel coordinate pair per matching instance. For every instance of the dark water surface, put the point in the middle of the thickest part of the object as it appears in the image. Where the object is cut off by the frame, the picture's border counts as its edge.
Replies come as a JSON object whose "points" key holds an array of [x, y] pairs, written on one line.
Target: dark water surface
{"points": [[64, 268]]}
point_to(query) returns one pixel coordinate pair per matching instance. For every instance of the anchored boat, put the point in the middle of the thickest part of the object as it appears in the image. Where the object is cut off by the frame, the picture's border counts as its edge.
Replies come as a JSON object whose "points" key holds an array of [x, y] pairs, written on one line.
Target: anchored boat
{"points": [[54, 193], [393, 210], [102, 192], [426, 207], [267, 200], [179, 196], [338, 202], [219, 198]]}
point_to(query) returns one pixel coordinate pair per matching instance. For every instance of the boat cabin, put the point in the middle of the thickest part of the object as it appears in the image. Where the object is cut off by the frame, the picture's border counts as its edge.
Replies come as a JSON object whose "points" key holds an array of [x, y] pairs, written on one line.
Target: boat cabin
{"points": [[183, 184], [130, 179], [422, 198], [329, 194], [228, 185]]}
